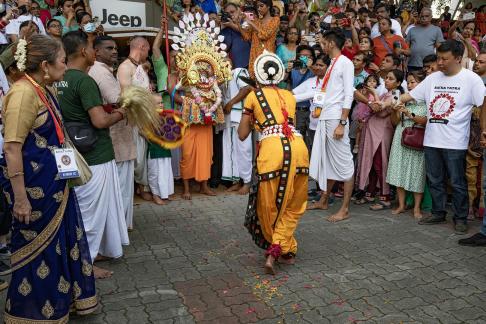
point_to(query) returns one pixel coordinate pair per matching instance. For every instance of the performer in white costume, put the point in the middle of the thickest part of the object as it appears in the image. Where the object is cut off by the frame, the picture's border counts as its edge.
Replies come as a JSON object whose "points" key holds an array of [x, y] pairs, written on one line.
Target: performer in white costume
{"points": [[331, 158], [237, 155]]}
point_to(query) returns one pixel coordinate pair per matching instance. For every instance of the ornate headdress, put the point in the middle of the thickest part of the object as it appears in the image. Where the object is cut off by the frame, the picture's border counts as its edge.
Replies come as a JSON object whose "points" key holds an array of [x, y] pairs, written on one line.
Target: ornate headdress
{"points": [[269, 69], [201, 49]]}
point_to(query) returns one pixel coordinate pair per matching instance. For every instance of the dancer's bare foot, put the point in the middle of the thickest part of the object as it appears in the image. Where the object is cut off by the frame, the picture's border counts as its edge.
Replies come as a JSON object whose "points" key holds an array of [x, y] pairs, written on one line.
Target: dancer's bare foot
{"points": [[244, 190], [146, 195], [339, 216], [187, 196], [269, 265], [206, 191], [417, 214], [172, 197], [234, 187], [399, 210], [322, 204], [101, 258], [288, 260], [100, 273], [159, 201]]}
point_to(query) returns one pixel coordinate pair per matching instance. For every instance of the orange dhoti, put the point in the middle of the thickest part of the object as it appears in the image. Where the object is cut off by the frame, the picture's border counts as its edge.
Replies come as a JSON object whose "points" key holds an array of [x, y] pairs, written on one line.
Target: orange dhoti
{"points": [[197, 153]]}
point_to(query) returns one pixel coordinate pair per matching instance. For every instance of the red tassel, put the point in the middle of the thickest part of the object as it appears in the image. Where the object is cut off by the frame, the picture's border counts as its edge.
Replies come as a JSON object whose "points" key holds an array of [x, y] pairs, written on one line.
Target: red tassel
{"points": [[208, 120], [274, 250]]}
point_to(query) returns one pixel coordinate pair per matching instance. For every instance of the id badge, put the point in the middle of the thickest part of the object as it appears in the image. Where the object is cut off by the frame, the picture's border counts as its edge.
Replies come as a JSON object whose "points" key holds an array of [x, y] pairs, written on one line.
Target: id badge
{"points": [[319, 99], [66, 163]]}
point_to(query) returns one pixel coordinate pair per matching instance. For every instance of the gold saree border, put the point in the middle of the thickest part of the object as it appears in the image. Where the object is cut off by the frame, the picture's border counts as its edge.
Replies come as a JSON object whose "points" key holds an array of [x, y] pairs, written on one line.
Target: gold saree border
{"points": [[40, 243], [86, 306], [9, 319]]}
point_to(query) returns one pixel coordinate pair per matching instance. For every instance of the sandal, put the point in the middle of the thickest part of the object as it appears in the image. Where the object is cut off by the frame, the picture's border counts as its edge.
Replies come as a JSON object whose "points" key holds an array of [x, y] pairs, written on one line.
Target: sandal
{"points": [[367, 199], [381, 205]]}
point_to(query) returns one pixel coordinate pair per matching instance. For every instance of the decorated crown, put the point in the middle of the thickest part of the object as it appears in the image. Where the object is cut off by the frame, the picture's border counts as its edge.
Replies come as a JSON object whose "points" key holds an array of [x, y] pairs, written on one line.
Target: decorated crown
{"points": [[197, 39]]}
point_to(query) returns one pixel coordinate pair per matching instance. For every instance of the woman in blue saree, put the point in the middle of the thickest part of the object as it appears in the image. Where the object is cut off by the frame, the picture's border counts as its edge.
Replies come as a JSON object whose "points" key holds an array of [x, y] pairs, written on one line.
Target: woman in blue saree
{"points": [[52, 271]]}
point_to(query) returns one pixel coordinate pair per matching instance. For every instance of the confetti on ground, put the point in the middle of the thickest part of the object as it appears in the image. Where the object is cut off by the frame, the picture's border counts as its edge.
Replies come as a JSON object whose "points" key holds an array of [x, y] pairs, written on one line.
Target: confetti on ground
{"points": [[339, 302], [250, 310]]}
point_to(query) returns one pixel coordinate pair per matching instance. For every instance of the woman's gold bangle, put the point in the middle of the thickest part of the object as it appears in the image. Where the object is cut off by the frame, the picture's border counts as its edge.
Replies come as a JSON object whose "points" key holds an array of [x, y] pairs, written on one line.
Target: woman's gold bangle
{"points": [[16, 174]]}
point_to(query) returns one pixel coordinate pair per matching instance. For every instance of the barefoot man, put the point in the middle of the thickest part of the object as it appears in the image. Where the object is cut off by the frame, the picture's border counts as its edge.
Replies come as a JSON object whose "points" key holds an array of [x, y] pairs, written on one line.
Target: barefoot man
{"points": [[237, 155], [331, 158], [100, 200], [131, 72]]}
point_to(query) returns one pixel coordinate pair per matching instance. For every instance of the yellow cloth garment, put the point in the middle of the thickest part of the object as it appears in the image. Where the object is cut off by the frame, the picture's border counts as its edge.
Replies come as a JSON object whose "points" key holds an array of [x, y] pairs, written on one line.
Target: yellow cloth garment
{"points": [[279, 226]]}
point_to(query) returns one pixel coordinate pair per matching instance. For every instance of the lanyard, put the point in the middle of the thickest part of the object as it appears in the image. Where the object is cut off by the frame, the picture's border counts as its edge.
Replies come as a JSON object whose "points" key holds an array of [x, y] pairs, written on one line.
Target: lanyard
{"points": [[328, 74], [55, 118]]}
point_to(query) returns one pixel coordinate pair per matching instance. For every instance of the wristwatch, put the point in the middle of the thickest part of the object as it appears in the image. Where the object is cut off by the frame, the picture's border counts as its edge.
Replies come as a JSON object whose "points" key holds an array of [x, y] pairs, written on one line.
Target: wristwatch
{"points": [[343, 122]]}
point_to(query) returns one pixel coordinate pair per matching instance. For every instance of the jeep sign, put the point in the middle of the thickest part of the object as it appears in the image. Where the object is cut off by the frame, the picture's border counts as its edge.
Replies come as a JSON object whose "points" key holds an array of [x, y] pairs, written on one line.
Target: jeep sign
{"points": [[120, 14]]}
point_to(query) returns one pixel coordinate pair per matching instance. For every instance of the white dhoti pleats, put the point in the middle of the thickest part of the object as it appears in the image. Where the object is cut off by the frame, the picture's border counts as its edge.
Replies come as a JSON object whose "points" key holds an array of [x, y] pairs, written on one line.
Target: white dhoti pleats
{"points": [[161, 180], [101, 206], [331, 159], [237, 156], [125, 176], [141, 172]]}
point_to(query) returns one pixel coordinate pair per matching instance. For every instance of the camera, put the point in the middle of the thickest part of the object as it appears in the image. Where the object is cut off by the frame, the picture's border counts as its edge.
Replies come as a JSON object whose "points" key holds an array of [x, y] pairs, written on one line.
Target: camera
{"points": [[397, 44], [23, 10], [225, 17], [324, 26], [298, 64]]}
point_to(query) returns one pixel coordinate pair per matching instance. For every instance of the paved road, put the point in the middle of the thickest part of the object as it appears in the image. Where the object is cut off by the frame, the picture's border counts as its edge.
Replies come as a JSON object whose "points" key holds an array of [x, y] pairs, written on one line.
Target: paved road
{"points": [[194, 262]]}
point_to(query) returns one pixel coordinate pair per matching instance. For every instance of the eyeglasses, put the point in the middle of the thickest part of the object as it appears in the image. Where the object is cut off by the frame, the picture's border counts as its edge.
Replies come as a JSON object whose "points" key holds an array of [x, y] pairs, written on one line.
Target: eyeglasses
{"points": [[55, 26]]}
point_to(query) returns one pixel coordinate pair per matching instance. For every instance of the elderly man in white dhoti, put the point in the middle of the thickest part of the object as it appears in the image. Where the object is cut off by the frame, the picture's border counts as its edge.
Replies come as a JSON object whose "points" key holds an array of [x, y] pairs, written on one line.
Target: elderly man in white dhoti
{"points": [[132, 73], [331, 158], [122, 132]]}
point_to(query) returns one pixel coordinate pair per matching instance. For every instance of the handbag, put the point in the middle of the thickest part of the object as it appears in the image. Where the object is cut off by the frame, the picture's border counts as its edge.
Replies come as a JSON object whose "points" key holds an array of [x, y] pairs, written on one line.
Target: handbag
{"points": [[413, 137], [85, 173], [82, 134]]}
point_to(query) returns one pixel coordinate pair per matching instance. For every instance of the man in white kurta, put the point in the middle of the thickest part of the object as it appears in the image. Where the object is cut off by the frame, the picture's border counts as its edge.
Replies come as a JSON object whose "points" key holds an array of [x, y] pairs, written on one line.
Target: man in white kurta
{"points": [[237, 155], [121, 133], [331, 158]]}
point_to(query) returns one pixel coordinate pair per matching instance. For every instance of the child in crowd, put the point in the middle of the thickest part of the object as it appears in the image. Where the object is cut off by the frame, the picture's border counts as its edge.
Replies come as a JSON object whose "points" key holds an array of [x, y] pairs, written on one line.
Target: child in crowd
{"points": [[363, 112]]}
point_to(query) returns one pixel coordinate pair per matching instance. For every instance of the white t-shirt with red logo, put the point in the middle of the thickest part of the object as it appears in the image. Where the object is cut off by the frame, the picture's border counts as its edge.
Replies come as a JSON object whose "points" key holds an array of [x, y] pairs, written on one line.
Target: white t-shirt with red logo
{"points": [[449, 100]]}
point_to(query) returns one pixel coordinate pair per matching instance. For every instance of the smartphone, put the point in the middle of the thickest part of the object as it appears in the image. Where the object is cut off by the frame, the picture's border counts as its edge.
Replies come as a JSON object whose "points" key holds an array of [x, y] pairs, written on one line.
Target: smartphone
{"points": [[469, 16], [396, 96], [250, 15]]}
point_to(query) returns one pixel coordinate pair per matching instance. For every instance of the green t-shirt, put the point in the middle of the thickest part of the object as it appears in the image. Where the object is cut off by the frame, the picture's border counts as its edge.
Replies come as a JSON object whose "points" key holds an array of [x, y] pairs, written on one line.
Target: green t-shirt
{"points": [[78, 93], [161, 72]]}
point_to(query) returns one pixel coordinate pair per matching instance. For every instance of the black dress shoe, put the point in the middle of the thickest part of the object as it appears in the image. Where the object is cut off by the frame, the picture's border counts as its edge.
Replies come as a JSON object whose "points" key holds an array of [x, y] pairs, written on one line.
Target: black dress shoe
{"points": [[432, 220], [475, 240]]}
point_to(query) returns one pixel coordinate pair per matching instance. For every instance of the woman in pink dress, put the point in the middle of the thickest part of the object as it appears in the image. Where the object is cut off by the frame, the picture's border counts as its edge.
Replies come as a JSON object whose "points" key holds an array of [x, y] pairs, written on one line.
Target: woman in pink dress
{"points": [[376, 144]]}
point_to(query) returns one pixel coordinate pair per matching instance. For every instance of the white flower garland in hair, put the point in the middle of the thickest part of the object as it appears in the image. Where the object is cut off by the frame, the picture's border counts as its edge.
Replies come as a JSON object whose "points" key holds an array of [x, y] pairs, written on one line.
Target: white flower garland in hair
{"points": [[21, 55]]}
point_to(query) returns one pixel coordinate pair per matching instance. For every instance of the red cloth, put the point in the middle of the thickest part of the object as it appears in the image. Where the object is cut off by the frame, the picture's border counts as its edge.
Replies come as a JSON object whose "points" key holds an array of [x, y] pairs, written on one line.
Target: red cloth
{"points": [[45, 16], [350, 52], [381, 51]]}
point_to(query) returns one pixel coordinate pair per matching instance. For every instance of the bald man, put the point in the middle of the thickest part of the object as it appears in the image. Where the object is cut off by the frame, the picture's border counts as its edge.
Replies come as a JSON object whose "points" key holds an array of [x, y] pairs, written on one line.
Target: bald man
{"points": [[132, 73], [423, 39]]}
